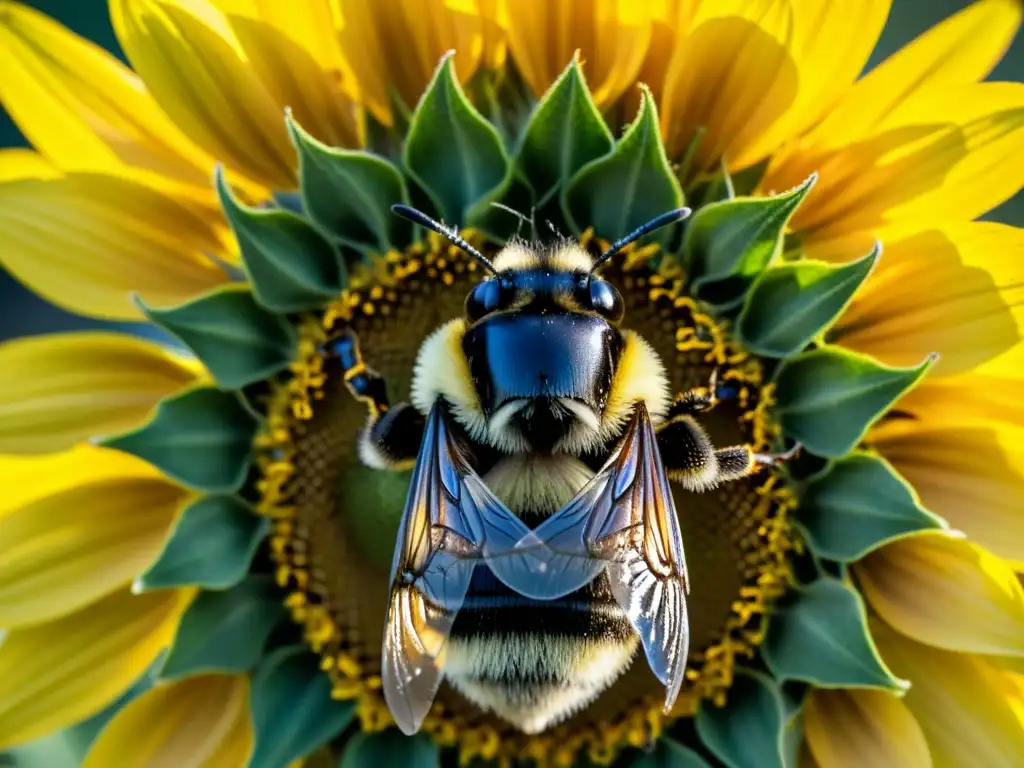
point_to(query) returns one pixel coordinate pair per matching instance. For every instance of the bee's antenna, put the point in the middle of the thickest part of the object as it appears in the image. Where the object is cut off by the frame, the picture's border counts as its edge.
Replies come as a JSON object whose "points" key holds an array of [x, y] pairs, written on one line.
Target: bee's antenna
{"points": [[523, 219], [418, 217], [656, 223]]}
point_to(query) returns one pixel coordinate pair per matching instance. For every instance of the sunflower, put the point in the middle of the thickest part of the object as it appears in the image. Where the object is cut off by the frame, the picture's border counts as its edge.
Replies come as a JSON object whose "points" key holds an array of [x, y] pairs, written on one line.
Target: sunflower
{"points": [[193, 568]]}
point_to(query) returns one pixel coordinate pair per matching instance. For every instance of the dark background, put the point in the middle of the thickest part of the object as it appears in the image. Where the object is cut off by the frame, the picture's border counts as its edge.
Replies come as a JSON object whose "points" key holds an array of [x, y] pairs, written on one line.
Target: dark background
{"points": [[23, 314]]}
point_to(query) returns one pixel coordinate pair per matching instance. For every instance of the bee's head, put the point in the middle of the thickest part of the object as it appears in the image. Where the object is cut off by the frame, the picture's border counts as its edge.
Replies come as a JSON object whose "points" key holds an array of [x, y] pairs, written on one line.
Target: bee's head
{"points": [[543, 341]]}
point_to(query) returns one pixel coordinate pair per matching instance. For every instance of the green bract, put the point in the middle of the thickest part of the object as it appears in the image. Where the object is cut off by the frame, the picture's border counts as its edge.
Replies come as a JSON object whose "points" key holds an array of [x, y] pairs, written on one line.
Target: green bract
{"points": [[224, 631], [237, 340], [747, 731], [201, 437], [212, 545], [819, 635], [568, 164]]}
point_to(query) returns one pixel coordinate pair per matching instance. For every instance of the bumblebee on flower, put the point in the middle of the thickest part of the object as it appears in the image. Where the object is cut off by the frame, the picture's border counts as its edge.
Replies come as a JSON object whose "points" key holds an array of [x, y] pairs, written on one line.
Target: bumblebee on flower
{"points": [[218, 528]]}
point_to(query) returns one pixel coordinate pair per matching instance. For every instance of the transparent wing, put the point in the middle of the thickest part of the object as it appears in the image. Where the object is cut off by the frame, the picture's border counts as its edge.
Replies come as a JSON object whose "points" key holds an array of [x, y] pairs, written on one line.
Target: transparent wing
{"points": [[623, 520], [450, 523]]}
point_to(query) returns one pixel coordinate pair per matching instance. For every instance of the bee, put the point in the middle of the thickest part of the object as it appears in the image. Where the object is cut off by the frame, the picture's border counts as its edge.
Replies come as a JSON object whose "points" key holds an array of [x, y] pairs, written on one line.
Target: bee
{"points": [[539, 545]]}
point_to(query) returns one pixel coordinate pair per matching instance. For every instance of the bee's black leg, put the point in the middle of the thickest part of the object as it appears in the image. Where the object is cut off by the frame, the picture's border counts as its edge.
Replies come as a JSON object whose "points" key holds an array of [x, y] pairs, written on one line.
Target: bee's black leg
{"points": [[739, 461], [700, 399], [687, 453], [691, 459], [393, 434]]}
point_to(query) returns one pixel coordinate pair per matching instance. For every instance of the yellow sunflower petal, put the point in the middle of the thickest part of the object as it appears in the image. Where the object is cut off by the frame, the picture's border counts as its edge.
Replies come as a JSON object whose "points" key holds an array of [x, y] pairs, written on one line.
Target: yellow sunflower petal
{"points": [[20, 163], [967, 399], [203, 79], [66, 550], [731, 76], [27, 479], [959, 701], [83, 109], [295, 53], [612, 35], [831, 44], [61, 389], [86, 242], [199, 722], [946, 592], [972, 475], [854, 728], [965, 298], [423, 30], [56, 674], [962, 49], [943, 156]]}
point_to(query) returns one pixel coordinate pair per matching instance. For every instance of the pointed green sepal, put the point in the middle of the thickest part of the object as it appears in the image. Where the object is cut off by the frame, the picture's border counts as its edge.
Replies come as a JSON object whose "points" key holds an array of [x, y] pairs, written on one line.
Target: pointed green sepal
{"points": [[819, 634], [669, 753], [617, 193], [391, 747], [747, 731], [292, 709], [211, 546], [828, 398], [237, 340], [201, 437], [565, 133], [349, 193], [451, 151], [792, 304], [858, 505], [291, 266], [729, 243], [225, 631]]}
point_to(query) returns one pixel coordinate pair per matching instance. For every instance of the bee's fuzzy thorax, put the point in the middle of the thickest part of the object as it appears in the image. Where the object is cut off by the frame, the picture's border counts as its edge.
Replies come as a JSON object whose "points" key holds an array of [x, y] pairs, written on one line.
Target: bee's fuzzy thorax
{"points": [[562, 256], [443, 371]]}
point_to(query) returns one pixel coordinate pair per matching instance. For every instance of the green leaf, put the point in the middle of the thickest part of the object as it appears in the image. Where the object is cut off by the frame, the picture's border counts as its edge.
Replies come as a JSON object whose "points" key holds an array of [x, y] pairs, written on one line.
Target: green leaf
{"points": [[201, 437], [819, 634], [617, 193], [729, 243], [225, 631], [671, 754], [747, 731], [391, 747], [237, 340], [828, 397], [291, 266], [451, 150], [292, 709], [565, 133], [791, 304], [349, 193], [211, 546], [858, 505]]}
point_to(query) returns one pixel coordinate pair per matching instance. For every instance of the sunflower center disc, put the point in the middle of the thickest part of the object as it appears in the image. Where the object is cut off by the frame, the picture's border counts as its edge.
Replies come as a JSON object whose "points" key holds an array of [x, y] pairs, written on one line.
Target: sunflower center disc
{"points": [[336, 520]]}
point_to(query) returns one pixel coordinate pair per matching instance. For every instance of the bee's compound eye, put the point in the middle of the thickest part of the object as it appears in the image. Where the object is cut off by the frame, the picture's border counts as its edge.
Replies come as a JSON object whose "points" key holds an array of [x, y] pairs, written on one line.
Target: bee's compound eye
{"points": [[483, 299], [605, 300]]}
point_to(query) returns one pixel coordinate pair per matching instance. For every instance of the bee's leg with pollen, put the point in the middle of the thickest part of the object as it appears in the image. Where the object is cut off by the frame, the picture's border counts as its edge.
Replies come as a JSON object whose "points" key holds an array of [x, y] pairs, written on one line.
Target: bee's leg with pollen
{"points": [[393, 434]]}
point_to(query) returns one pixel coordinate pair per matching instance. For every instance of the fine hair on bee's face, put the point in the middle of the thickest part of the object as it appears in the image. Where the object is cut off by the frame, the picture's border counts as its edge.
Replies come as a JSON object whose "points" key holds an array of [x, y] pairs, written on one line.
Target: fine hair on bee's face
{"points": [[539, 546]]}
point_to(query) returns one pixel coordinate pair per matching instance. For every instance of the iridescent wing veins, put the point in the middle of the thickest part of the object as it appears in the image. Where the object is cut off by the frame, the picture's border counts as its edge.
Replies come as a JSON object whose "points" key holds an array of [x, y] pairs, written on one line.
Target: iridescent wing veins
{"points": [[450, 523]]}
